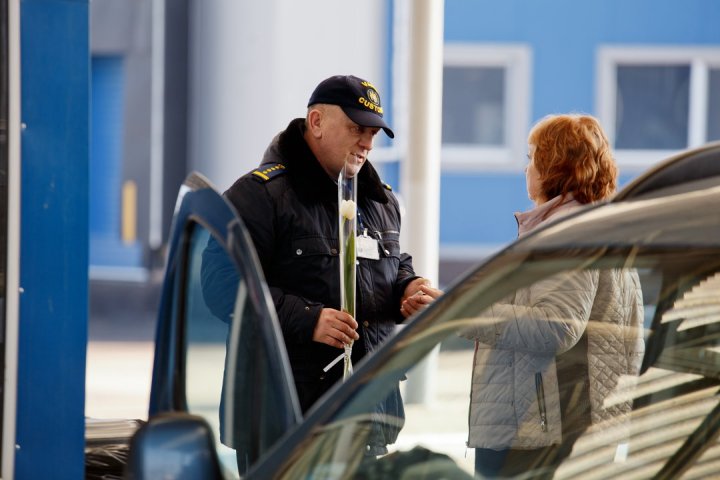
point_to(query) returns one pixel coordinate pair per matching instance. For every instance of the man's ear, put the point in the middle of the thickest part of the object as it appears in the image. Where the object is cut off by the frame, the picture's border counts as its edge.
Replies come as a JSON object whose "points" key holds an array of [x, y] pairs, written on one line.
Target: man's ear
{"points": [[314, 122]]}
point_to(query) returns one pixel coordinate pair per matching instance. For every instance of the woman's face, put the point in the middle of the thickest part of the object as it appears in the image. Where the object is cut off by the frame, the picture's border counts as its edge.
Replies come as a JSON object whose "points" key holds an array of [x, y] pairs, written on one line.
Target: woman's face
{"points": [[532, 180]]}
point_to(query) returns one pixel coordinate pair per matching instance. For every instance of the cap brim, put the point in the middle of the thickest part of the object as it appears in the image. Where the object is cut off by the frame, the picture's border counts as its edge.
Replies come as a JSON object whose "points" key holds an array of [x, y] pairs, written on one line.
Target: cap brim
{"points": [[367, 119]]}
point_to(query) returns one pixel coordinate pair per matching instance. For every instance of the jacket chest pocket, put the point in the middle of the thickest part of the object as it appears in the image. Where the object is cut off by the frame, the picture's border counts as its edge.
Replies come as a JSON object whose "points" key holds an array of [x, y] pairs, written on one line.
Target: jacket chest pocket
{"points": [[389, 244], [312, 247], [309, 268]]}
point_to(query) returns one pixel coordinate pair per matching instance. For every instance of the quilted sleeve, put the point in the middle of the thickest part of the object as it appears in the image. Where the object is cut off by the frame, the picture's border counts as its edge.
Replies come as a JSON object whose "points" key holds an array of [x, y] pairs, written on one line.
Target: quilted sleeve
{"points": [[547, 317]]}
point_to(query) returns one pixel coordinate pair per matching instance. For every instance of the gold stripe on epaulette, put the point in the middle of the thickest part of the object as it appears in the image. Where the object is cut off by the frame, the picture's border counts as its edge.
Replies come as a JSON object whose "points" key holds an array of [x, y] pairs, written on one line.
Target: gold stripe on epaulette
{"points": [[269, 173]]}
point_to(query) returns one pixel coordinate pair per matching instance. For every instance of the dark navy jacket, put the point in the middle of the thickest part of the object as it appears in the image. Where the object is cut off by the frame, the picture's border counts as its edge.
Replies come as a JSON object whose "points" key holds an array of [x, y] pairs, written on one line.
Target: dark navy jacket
{"points": [[289, 206]]}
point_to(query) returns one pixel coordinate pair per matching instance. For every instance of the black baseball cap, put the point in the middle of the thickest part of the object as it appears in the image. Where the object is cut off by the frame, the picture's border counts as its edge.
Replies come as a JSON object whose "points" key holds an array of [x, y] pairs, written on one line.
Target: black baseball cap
{"points": [[358, 98]]}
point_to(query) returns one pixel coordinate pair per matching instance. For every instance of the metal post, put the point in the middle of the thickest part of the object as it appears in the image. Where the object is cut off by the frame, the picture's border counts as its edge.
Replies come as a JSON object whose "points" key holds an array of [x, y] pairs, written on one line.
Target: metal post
{"points": [[12, 281], [420, 168]]}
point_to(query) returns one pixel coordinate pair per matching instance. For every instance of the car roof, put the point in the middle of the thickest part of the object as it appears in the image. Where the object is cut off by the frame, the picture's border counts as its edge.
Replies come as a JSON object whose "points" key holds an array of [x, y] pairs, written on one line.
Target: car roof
{"points": [[685, 218], [693, 169]]}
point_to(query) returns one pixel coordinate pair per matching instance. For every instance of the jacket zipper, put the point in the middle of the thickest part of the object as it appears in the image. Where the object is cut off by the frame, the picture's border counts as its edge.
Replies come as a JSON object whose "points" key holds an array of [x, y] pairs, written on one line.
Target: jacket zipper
{"points": [[541, 401]]}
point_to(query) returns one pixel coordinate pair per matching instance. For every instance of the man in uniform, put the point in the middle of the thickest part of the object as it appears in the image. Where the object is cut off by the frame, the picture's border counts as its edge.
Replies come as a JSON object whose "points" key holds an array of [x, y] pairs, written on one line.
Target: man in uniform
{"points": [[290, 207]]}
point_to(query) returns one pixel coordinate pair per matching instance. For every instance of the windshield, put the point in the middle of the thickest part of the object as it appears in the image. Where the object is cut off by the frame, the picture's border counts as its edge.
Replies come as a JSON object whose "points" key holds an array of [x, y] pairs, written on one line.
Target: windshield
{"points": [[599, 362]]}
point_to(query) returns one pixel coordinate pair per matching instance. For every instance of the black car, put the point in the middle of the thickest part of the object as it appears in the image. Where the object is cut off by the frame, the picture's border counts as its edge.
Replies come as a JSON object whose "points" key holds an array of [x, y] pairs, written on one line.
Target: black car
{"points": [[223, 403]]}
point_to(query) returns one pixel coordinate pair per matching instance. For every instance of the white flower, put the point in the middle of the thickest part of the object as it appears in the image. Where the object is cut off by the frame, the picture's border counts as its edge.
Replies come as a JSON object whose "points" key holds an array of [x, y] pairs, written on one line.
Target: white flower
{"points": [[347, 209]]}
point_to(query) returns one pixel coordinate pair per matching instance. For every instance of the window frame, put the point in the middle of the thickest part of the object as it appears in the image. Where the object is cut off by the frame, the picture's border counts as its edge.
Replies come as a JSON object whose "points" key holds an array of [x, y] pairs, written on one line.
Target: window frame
{"points": [[515, 59], [700, 60]]}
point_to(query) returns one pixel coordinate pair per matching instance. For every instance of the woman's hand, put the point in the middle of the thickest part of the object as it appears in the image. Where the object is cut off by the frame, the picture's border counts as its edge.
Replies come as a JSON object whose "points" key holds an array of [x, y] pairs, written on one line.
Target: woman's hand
{"points": [[418, 295]]}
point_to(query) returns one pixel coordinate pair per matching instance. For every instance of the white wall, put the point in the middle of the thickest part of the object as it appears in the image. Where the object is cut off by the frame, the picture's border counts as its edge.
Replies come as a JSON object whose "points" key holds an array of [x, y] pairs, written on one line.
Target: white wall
{"points": [[254, 64]]}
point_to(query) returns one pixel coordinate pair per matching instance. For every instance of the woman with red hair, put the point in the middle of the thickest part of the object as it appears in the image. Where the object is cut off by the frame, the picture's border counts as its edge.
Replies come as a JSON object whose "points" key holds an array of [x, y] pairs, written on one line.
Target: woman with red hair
{"points": [[556, 349]]}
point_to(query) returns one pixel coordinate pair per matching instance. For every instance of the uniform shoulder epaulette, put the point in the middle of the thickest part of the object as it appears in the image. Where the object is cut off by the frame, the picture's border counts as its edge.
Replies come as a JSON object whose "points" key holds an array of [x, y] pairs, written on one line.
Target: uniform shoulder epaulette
{"points": [[269, 171]]}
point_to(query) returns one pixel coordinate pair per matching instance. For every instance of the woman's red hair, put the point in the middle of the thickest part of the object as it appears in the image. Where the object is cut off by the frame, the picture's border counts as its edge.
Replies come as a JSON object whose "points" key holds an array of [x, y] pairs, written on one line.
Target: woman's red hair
{"points": [[572, 155]]}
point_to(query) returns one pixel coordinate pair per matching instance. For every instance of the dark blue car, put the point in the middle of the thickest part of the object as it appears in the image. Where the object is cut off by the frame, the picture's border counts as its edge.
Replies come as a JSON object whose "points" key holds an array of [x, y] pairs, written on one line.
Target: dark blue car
{"points": [[223, 403]]}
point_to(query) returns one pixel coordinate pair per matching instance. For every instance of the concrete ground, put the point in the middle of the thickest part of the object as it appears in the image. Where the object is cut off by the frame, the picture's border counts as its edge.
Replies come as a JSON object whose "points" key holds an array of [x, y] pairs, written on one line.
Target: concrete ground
{"points": [[121, 335], [120, 357], [118, 377]]}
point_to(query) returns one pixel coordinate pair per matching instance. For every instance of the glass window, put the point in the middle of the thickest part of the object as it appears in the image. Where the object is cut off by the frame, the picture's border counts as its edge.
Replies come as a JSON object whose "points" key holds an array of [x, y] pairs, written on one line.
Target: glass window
{"points": [[588, 349], [209, 313], [713, 114], [652, 107], [589, 363], [234, 377], [657, 101], [473, 106], [482, 124]]}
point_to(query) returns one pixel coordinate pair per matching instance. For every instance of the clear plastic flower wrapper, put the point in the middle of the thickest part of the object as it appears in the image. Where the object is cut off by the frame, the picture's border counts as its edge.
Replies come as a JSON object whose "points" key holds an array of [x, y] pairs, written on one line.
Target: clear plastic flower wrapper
{"points": [[347, 232]]}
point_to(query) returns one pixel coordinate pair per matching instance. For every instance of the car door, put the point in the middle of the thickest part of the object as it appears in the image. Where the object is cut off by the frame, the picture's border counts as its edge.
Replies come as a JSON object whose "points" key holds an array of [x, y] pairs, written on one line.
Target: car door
{"points": [[222, 391], [655, 377]]}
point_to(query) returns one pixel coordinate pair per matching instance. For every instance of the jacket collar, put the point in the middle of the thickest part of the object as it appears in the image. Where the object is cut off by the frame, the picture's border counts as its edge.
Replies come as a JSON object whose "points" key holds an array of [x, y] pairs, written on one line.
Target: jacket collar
{"points": [[306, 174], [553, 208]]}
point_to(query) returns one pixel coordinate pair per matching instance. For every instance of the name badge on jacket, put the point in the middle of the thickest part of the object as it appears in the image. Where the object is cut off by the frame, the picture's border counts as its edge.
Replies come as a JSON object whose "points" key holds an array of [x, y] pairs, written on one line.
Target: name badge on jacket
{"points": [[367, 247]]}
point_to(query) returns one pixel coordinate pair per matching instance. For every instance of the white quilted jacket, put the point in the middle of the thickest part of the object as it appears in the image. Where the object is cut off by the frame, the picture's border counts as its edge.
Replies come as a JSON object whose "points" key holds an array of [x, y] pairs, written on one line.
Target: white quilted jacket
{"points": [[514, 397]]}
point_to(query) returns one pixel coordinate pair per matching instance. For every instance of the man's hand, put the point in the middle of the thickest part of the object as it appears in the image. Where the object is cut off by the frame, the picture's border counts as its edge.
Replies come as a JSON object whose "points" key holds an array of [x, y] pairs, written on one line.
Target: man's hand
{"points": [[418, 295], [335, 328]]}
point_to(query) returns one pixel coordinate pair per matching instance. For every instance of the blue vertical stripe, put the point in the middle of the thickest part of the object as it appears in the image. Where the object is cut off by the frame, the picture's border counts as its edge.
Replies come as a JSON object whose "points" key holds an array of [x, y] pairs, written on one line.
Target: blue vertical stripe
{"points": [[55, 75]]}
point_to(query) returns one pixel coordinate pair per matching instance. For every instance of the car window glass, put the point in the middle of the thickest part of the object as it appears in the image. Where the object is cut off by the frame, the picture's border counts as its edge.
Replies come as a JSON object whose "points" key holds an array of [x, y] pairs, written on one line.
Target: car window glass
{"points": [[647, 406], [234, 374], [208, 314]]}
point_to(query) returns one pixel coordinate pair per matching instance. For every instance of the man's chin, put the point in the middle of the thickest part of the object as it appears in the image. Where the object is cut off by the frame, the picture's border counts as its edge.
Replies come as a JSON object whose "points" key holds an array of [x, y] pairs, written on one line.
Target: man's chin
{"points": [[351, 170]]}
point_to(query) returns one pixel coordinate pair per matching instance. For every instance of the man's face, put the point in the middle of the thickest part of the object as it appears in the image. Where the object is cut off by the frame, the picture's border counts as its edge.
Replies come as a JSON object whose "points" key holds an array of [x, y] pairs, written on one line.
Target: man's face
{"points": [[343, 142]]}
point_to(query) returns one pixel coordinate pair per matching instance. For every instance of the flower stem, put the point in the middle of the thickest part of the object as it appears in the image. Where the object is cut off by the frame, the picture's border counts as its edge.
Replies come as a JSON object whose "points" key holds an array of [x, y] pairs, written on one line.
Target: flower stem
{"points": [[347, 231]]}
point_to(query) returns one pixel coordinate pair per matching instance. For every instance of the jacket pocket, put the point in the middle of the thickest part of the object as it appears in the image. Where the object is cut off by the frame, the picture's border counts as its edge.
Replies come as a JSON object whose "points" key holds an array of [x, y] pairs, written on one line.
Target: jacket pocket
{"points": [[389, 243], [310, 246], [540, 390], [310, 270]]}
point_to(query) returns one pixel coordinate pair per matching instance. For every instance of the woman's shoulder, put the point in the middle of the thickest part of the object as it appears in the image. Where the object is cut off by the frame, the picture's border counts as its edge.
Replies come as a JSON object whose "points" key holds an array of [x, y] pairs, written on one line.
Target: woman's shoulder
{"points": [[549, 211]]}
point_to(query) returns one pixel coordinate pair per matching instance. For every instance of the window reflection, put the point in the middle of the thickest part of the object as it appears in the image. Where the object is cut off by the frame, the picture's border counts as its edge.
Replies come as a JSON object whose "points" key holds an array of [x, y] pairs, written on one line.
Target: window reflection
{"points": [[234, 371], [665, 410], [652, 107], [474, 106], [713, 113], [208, 314]]}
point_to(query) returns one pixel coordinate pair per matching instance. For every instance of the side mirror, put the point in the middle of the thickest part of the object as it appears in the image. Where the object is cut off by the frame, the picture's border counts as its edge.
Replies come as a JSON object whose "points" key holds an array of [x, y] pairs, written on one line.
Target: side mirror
{"points": [[176, 446]]}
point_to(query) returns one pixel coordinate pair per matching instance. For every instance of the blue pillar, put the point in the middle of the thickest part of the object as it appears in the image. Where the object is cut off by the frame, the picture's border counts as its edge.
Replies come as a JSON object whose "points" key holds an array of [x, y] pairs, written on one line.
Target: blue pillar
{"points": [[54, 239]]}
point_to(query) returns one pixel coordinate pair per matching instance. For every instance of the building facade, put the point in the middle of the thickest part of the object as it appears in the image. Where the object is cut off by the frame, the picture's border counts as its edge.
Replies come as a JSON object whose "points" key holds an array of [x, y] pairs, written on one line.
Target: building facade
{"points": [[232, 74]]}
